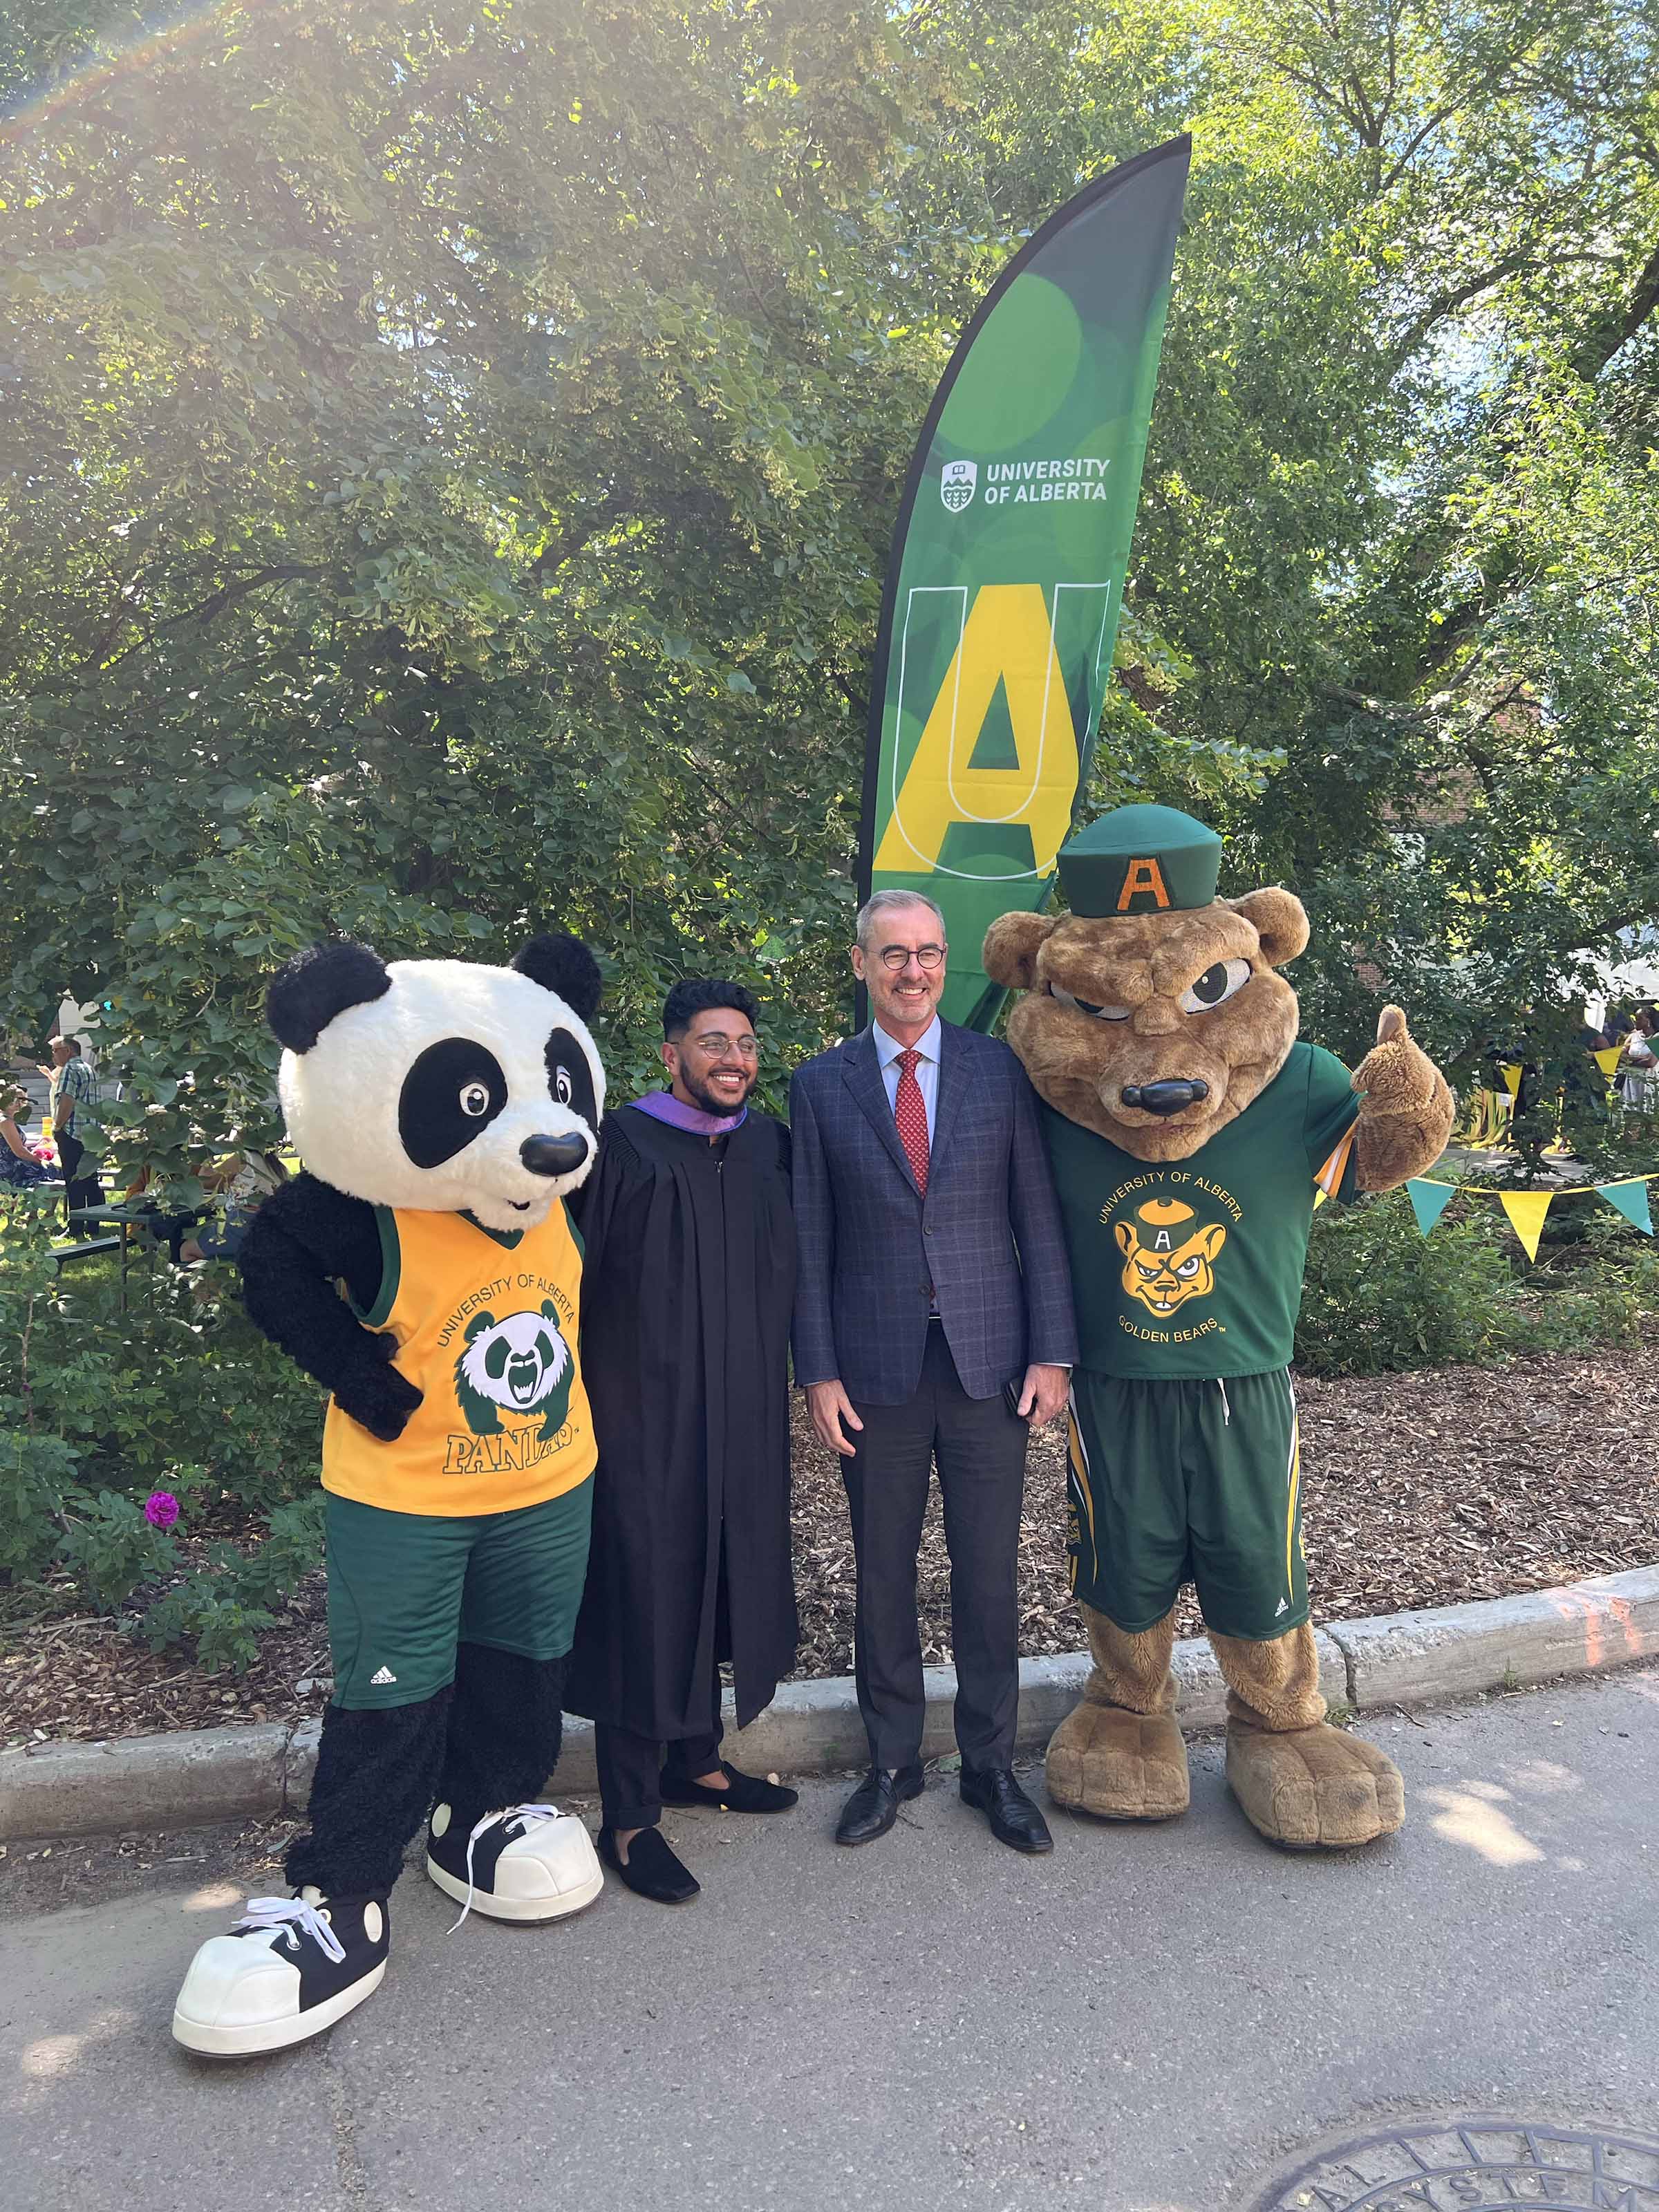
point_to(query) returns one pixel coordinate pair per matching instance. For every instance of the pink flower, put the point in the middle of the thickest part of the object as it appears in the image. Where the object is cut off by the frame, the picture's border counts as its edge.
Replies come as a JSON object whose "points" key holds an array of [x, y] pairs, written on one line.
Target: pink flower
{"points": [[160, 1509]]}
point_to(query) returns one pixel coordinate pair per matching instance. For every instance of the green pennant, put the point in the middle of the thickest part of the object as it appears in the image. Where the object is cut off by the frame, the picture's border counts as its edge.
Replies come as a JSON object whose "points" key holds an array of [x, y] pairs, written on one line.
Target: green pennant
{"points": [[1632, 1201], [1429, 1201]]}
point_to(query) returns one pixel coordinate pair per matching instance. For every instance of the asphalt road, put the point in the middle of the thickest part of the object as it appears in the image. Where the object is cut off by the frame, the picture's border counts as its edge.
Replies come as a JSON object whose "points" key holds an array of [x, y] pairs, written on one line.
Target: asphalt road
{"points": [[1151, 2021]]}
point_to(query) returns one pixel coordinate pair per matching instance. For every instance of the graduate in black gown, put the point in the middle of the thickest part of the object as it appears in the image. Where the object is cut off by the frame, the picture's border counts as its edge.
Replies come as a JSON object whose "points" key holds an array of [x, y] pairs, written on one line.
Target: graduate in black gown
{"points": [[687, 1290]]}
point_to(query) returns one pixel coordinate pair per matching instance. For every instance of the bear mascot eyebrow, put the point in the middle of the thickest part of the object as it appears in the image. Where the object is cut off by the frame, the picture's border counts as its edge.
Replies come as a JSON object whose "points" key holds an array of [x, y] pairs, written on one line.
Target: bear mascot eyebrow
{"points": [[1189, 1130], [423, 1267]]}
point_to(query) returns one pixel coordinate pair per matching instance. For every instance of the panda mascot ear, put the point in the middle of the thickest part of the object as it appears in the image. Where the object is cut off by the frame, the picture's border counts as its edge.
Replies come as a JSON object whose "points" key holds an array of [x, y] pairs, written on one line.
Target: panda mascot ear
{"points": [[319, 983], [564, 966]]}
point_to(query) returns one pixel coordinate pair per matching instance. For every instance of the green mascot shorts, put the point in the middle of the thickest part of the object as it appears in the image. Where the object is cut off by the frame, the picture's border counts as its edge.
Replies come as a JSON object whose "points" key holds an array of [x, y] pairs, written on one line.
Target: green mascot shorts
{"points": [[405, 1589], [1172, 1482]]}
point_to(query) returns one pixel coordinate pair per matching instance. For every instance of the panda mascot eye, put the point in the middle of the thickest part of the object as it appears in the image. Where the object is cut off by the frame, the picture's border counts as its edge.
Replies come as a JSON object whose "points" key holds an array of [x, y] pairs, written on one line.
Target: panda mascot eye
{"points": [[453, 1090], [570, 1077]]}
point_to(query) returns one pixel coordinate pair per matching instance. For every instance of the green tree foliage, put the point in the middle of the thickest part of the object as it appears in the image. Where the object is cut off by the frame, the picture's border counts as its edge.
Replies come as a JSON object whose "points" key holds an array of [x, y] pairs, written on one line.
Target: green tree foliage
{"points": [[450, 454]]}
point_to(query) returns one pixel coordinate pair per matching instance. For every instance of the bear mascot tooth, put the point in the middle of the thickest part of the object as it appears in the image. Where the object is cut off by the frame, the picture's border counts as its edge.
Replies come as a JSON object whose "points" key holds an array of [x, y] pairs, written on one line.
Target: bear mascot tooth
{"points": [[1189, 1130], [423, 1269]]}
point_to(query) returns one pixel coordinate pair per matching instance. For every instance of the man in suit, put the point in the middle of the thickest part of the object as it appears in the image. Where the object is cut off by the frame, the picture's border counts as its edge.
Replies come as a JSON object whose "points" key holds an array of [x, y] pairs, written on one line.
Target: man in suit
{"points": [[933, 1275]]}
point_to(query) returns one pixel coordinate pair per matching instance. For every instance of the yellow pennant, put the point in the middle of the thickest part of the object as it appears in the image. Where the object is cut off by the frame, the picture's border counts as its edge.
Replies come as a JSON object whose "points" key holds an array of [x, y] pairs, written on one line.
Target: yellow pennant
{"points": [[1525, 1210], [1607, 1059], [1510, 1072]]}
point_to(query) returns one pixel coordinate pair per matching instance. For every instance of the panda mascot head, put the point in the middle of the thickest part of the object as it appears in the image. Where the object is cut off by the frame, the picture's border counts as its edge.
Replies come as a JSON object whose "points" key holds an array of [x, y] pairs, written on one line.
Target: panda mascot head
{"points": [[440, 1086]]}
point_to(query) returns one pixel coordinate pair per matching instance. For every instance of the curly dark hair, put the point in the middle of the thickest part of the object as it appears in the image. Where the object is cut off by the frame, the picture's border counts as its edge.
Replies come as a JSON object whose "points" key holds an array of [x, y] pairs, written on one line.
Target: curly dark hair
{"points": [[696, 994]]}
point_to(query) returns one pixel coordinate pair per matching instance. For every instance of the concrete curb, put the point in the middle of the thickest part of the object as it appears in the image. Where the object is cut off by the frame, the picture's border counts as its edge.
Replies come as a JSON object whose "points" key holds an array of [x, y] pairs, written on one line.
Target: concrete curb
{"points": [[193, 1778]]}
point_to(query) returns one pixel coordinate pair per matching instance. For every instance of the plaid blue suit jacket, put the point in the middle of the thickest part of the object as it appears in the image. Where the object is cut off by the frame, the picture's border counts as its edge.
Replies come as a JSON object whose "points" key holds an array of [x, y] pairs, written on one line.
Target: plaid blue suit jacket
{"points": [[986, 1241]]}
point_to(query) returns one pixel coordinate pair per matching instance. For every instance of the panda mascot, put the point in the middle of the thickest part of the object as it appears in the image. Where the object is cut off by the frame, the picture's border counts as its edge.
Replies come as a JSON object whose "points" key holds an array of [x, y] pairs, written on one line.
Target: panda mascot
{"points": [[423, 1268]]}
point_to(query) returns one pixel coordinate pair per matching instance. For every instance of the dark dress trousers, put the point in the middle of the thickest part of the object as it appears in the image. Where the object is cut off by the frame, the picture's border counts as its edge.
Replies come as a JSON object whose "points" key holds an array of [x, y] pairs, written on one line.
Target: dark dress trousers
{"points": [[924, 1308]]}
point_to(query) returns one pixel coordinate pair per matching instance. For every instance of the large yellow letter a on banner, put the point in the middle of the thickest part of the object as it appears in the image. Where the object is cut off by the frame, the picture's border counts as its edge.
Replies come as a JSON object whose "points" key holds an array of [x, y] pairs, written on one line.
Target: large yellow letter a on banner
{"points": [[1007, 638]]}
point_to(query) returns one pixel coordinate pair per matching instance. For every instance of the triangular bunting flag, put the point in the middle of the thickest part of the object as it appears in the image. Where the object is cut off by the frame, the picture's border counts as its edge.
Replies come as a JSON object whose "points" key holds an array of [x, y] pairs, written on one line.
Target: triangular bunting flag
{"points": [[1510, 1071], [1607, 1059], [1429, 1201], [1320, 1196], [1525, 1210], [1632, 1201]]}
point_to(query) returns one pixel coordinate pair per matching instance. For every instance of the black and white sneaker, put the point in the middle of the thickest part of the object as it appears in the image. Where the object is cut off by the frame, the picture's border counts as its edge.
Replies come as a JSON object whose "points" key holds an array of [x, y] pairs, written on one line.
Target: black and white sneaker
{"points": [[528, 1862], [289, 1968]]}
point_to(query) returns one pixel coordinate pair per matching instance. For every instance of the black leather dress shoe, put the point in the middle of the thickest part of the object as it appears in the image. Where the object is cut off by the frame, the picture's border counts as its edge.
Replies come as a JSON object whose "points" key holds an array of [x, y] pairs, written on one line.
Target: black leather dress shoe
{"points": [[873, 1806], [744, 1793], [652, 1869], [1015, 1820]]}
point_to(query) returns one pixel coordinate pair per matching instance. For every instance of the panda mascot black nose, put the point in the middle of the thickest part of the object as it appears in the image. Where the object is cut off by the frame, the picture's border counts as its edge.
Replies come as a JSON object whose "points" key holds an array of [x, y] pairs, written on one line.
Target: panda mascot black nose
{"points": [[551, 1156]]}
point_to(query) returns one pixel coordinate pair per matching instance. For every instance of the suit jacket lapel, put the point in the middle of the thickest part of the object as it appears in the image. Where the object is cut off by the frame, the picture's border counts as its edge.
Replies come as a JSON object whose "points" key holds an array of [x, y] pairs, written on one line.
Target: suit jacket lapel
{"points": [[861, 1073], [953, 1079]]}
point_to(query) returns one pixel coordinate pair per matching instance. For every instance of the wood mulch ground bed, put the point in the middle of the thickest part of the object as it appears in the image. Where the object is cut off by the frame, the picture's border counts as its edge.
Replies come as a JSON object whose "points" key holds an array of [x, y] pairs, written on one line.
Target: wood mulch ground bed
{"points": [[1423, 1489]]}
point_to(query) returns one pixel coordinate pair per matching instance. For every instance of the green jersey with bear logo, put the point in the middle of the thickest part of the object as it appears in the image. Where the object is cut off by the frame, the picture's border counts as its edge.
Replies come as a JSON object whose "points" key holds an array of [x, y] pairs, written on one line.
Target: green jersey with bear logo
{"points": [[1194, 1267]]}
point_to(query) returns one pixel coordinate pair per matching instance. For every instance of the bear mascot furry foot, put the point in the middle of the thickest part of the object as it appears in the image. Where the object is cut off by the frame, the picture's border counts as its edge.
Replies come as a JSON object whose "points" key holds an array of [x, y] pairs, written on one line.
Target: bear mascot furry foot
{"points": [[1189, 1130], [423, 1269]]}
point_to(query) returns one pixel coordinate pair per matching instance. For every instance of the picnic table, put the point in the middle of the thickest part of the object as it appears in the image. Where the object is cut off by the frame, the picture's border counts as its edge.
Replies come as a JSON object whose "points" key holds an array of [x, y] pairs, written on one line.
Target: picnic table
{"points": [[124, 1216]]}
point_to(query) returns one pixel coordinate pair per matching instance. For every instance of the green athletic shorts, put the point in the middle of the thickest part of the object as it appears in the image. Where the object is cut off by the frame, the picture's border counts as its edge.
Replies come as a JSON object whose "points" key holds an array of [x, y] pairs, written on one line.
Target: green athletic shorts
{"points": [[405, 1589], [1172, 1482]]}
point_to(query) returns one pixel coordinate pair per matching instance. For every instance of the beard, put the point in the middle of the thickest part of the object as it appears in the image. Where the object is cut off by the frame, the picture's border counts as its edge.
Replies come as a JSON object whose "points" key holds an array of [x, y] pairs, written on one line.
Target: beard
{"points": [[713, 1101]]}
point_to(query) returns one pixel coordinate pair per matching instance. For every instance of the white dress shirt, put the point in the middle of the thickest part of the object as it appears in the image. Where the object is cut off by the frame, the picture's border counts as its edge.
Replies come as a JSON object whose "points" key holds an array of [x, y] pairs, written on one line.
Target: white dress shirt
{"points": [[888, 1049]]}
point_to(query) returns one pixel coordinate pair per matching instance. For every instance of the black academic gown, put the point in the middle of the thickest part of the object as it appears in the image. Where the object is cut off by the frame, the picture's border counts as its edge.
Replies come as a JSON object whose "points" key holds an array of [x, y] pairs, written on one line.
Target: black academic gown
{"points": [[687, 1291]]}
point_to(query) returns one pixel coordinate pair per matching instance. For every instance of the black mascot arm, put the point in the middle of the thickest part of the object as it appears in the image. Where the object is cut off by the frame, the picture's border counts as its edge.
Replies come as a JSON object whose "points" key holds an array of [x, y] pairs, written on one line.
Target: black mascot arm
{"points": [[303, 1239]]}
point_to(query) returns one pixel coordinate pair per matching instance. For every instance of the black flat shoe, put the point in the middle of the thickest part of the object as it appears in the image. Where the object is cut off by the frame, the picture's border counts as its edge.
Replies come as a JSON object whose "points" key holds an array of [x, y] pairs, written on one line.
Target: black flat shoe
{"points": [[652, 1869], [744, 1793], [873, 1806], [1015, 1820]]}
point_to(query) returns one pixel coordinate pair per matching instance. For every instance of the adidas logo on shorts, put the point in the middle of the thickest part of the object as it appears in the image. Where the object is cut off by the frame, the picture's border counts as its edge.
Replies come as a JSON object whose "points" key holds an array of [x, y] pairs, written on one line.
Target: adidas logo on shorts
{"points": [[380, 1677]]}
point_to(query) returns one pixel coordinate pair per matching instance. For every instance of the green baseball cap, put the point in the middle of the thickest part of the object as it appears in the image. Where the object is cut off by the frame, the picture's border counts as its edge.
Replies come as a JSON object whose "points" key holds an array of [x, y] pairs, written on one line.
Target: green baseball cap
{"points": [[1137, 860]]}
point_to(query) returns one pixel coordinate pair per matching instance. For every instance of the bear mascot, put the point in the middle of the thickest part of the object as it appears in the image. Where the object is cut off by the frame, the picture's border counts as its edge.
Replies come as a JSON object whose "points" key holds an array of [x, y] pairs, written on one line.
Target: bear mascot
{"points": [[1189, 1131], [423, 1267]]}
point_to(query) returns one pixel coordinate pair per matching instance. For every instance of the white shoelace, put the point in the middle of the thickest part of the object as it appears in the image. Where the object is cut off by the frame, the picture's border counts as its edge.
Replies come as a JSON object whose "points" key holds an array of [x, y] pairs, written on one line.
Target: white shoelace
{"points": [[516, 1816], [292, 1916]]}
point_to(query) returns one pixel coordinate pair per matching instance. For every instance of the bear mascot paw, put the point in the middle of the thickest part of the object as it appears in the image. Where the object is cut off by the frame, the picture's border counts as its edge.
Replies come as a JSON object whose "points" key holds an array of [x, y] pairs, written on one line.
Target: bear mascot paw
{"points": [[1189, 1131]]}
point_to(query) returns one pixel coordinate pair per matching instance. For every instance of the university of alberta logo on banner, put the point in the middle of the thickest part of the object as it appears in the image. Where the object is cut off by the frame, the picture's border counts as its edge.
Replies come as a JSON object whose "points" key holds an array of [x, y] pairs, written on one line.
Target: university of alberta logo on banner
{"points": [[957, 482]]}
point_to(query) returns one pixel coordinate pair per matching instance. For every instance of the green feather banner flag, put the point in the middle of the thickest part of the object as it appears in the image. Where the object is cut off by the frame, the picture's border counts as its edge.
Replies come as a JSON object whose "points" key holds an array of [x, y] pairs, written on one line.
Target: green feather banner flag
{"points": [[1006, 576]]}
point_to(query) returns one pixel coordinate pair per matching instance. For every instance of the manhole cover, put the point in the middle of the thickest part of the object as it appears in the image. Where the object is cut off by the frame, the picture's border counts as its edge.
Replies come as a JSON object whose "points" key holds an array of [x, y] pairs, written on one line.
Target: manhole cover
{"points": [[1476, 2166]]}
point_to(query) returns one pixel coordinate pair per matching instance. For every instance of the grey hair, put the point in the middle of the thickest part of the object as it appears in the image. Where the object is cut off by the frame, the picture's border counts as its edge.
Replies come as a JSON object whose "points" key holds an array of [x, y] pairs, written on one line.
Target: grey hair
{"points": [[884, 902]]}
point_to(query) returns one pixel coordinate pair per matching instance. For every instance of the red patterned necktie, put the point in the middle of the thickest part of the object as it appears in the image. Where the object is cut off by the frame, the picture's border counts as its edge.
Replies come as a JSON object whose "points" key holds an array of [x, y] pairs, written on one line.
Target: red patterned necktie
{"points": [[911, 1114]]}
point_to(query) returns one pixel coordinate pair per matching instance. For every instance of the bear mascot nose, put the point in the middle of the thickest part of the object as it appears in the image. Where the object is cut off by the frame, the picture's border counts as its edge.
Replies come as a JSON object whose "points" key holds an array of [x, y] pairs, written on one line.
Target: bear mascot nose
{"points": [[1167, 1097], [551, 1156]]}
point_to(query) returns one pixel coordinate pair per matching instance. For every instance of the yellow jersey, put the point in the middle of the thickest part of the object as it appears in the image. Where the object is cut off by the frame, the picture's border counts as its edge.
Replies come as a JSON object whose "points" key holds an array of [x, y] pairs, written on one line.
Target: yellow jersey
{"points": [[485, 1322]]}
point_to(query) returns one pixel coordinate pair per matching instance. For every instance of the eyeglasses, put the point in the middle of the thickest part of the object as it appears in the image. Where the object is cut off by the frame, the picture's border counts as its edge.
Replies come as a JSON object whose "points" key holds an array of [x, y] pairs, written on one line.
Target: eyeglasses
{"points": [[896, 957], [721, 1048]]}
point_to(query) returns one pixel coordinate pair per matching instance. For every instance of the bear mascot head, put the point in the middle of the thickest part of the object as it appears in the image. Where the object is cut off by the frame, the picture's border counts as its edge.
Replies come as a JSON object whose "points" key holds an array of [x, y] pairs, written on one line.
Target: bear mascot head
{"points": [[1189, 1131]]}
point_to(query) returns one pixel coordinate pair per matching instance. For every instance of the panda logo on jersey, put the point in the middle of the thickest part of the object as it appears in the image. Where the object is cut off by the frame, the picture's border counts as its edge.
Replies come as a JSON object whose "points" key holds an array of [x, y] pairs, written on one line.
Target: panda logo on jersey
{"points": [[519, 1364], [442, 1086]]}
